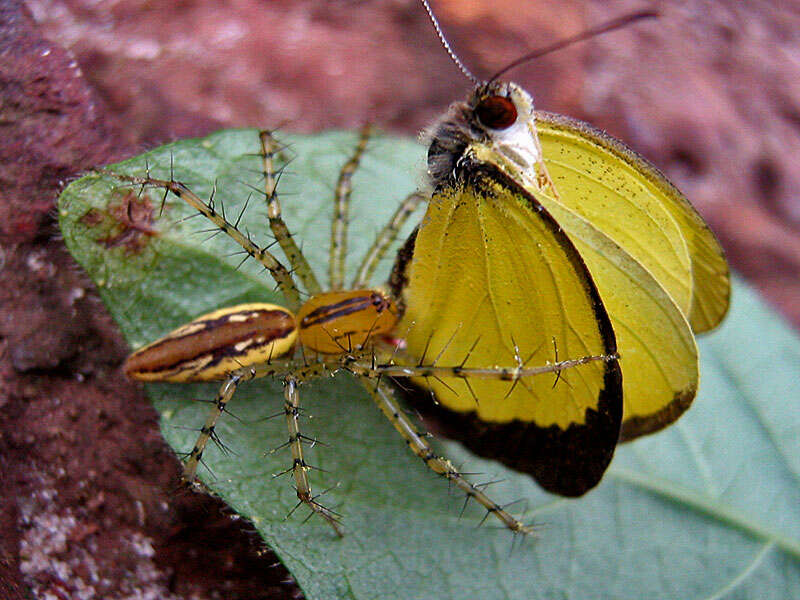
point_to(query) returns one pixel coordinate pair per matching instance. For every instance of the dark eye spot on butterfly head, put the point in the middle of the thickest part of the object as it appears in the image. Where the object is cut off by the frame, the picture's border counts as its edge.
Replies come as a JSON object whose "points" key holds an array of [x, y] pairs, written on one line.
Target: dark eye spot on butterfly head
{"points": [[496, 112]]}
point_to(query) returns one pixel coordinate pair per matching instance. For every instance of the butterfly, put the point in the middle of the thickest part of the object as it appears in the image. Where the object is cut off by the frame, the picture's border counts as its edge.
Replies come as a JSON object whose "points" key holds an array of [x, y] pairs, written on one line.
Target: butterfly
{"points": [[545, 238]]}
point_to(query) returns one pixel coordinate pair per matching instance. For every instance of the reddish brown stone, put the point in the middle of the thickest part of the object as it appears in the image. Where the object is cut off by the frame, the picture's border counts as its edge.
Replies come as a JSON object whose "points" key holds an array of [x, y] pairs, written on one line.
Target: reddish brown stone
{"points": [[707, 92]]}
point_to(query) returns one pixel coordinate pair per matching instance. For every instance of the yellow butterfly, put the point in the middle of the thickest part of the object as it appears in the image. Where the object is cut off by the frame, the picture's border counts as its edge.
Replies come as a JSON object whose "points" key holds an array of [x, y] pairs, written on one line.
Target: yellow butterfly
{"points": [[547, 239]]}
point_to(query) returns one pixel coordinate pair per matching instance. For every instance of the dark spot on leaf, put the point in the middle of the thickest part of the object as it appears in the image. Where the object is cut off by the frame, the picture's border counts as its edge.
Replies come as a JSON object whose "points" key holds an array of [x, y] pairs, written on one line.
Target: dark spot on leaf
{"points": [[93, 218], [127, 222]]}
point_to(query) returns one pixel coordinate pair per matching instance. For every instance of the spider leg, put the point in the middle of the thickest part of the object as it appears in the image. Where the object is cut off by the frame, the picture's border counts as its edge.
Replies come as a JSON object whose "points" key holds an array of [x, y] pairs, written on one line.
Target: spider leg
{"points": [[279, 273], [299, 467], [385, 237], [341, 209], [297, 260], [226, 391], [383, 396]]}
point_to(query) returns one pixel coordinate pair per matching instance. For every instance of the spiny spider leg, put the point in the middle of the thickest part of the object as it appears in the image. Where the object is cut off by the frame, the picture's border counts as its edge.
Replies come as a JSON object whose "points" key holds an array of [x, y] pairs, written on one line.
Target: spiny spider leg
{"points": [[385, 237], [281, 275], [516, 373], [363, 364], [382, 394], [341, 209], [222, 398], [299, 467], [300, 266]]}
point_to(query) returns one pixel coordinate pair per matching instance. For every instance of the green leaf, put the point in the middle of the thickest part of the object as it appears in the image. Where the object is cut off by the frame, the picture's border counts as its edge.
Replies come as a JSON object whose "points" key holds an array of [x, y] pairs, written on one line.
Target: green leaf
{"points": [[709, 508]]}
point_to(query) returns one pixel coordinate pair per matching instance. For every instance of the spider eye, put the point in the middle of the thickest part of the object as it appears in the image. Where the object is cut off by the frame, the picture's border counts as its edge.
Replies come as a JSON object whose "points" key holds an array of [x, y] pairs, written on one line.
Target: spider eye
{"points": [[496, 112]]}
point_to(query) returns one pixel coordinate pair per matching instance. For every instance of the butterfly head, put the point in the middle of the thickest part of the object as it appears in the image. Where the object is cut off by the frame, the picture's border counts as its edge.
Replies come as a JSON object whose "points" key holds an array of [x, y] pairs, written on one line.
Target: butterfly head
{"points": [[496, 122]]}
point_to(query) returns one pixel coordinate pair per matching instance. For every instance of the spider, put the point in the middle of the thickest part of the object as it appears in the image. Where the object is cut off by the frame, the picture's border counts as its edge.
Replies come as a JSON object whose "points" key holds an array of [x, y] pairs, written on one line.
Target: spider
{"points": [[342, 327]]}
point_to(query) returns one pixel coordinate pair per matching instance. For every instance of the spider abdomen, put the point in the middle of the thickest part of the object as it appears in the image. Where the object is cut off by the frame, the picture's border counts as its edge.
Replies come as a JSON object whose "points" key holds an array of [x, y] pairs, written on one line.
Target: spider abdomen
{"points": [[215, 344]]}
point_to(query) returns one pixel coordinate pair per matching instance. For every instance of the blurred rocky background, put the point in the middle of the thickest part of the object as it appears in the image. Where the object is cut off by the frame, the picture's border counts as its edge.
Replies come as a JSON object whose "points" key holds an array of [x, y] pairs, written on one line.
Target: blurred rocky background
{"points": [[710, 92]]}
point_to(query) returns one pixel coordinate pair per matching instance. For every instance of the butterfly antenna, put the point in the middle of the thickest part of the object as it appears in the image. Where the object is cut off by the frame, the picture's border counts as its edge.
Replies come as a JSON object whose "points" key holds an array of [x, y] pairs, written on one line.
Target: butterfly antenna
{"points": [[467, 73], [617, 23]]}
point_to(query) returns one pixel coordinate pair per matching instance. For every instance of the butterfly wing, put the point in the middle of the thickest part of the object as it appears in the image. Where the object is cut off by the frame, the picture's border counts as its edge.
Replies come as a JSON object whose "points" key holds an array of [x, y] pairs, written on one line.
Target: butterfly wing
{"points": [[493, 277], [658, 353], [630, 200], [638, 234]]}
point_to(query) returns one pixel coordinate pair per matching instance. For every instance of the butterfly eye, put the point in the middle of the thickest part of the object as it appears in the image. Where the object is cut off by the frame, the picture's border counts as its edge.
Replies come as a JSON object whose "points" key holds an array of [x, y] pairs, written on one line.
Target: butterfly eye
{"points": [[496, 112]]}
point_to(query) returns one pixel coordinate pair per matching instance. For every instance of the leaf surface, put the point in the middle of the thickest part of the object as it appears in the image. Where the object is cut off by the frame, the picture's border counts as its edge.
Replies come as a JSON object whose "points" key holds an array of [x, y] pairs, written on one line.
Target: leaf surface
{"points": [[709, 508]]}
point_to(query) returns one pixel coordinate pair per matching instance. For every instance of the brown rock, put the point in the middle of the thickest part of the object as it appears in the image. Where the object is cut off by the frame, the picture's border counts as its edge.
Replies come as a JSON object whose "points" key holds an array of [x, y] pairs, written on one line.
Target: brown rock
{"points": [[709, 92]]}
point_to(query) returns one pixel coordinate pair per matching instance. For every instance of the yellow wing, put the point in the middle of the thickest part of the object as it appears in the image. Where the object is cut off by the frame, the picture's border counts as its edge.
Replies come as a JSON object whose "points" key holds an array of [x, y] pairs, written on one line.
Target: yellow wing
{"points": [[658, 353], [493, 275], [627, 198], [637, 234]]}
